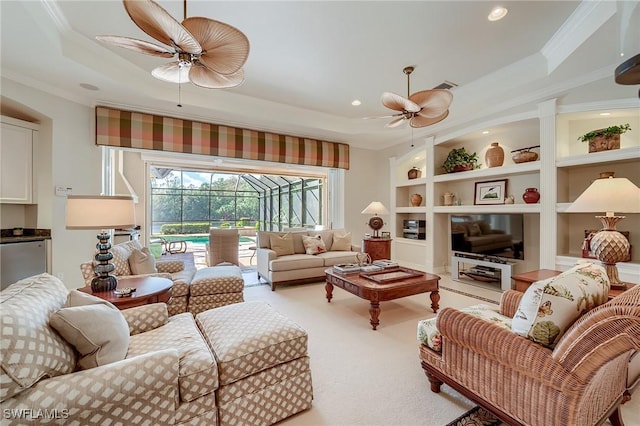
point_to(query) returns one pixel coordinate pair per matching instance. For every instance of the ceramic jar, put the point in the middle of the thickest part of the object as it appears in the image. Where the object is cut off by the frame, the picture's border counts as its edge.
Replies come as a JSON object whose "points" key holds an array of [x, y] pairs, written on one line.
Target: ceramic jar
{"points": [[531, 195], [448, 198], [494, 156], [414, 173], [416, 200]]}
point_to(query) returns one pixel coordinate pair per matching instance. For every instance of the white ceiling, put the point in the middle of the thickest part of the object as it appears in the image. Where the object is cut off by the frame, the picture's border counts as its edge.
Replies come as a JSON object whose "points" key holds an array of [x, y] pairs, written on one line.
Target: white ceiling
{"points": [[310, 59]]}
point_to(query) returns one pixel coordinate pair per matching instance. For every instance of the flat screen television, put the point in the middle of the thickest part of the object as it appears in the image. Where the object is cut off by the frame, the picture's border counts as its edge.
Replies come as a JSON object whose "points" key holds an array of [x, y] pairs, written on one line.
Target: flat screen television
{"points": [[495, 234]]}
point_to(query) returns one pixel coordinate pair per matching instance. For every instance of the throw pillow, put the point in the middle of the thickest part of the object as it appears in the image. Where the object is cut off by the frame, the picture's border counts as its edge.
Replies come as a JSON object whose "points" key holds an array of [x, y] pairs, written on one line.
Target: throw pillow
{"points": [[121, 253], [282, 244], [95, 327], [474, 230], [314, 245], [549, 307], [341, 242], [142, 262]]}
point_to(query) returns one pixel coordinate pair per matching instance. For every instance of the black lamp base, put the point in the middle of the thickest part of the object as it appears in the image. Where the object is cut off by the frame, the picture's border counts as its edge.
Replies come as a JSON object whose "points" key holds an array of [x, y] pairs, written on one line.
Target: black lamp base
{"points": [[103, 280], [106, 283]]}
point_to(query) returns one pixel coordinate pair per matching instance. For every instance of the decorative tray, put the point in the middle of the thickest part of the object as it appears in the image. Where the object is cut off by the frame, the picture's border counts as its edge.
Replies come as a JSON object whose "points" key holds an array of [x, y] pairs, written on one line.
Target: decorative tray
{"points": [[390, 275]]}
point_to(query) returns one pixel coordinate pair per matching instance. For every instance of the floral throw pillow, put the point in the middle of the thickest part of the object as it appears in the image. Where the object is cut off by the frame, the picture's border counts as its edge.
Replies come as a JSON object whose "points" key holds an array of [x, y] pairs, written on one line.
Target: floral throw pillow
{"points": [[549, 307], [314, 244], [429, 335]]}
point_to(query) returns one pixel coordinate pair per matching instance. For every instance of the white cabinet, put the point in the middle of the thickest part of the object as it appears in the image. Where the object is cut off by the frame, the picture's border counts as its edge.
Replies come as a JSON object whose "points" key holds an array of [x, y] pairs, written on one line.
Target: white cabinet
{"points": [[16, 161]]}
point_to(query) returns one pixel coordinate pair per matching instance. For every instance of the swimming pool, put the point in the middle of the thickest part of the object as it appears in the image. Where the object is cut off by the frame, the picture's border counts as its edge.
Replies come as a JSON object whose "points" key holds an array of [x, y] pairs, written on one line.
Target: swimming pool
{"points": [[198, 238]]}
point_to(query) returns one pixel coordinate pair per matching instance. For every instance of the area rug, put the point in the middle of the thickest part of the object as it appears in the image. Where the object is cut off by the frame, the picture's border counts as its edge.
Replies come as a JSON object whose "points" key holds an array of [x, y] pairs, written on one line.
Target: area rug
{"points": [[475, 417]]}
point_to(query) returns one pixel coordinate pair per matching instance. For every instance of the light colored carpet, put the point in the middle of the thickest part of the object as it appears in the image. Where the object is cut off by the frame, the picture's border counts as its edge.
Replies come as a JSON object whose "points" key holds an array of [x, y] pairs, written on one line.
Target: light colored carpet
{"points": [[366, 377]]}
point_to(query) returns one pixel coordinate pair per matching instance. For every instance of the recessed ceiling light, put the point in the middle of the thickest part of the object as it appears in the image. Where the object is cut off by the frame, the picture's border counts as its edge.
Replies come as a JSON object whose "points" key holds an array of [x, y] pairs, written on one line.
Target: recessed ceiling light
{"points": [[497, 13], [88, 86], [356, 102], [605, 113], [486, 132]]}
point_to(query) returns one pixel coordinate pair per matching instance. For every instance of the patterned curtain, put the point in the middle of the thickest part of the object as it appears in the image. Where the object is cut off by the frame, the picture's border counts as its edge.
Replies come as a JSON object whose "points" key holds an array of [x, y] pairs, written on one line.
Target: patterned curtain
{"points": [[126, 129]]}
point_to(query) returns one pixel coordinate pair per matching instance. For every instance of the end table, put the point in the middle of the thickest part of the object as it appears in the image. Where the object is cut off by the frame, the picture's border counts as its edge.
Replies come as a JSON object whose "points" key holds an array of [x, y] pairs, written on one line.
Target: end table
{"points": [[148, 290]]}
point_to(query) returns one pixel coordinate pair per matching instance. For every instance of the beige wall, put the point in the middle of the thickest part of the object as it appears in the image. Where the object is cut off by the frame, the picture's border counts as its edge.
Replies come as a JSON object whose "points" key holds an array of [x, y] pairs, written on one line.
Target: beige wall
{"points": [[67, 156]]}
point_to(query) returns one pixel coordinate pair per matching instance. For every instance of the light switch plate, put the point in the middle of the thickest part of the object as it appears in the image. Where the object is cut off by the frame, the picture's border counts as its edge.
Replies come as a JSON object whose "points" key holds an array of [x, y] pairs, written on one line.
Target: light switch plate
{"points": [[63, 191]]}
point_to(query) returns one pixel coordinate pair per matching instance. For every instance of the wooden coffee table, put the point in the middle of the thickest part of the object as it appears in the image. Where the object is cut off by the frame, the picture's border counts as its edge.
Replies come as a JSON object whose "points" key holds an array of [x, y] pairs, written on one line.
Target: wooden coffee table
{"points": [[148, 290], [407, 282]]}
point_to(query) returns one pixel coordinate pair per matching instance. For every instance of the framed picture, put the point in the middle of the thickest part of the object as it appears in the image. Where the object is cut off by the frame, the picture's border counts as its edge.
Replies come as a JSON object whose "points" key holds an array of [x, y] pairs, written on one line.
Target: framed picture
{"points": [[386, 235], [490, 192]]}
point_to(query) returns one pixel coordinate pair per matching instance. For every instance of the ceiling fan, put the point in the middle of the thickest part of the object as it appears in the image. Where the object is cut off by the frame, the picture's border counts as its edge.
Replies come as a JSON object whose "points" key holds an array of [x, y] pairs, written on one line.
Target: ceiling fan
{"points": [[210, 53], [421, 109]]}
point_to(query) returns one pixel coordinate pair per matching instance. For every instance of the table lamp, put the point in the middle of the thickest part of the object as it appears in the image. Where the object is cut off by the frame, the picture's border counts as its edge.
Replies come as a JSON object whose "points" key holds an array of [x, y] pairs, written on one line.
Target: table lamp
{"points": [[609, 194], [375, 208], [104, 213]]}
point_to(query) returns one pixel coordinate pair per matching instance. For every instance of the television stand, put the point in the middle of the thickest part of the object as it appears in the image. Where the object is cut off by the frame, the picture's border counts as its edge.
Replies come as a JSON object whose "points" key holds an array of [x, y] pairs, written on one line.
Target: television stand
{"points": [[493, 262]]}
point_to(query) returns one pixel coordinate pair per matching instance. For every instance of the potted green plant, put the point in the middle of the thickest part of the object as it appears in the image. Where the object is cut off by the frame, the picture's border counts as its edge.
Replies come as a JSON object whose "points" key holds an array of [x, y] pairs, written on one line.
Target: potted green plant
{"points": [[460, 160], [605, 139]]}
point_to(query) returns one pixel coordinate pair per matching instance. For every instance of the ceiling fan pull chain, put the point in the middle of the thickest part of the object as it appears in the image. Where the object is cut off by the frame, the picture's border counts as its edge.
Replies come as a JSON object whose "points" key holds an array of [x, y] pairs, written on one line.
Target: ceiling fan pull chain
{"points": [[180, 85]]}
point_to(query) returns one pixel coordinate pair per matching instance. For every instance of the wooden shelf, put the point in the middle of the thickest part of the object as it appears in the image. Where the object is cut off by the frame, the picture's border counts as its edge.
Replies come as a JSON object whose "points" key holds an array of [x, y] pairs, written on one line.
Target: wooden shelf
{"points": [[510, 170], [613, 156], [494, 208], [411, 182], [421, 209]]}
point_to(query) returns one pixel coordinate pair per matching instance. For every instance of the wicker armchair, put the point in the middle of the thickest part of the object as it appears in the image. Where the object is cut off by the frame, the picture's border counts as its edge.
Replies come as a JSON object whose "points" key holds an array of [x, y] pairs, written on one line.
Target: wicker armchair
{"points": [[582, 381]]}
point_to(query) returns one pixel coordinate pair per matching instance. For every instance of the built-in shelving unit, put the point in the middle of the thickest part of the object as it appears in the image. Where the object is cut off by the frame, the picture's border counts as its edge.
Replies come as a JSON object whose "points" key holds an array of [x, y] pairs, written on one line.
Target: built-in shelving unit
{"points": [[576, 169], [562, 172]]}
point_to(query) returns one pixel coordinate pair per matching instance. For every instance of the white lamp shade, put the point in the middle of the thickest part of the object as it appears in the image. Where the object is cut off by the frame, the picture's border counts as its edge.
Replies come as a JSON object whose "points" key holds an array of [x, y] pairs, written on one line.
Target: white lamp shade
{"points": [[608, 195], [376, 207], [99, 212]]}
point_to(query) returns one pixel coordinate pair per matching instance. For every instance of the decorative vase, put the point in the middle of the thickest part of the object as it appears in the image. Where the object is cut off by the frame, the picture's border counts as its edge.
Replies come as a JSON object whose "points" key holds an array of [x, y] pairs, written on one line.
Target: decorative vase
{"points": [[416, 200], [509, 200], [448, 198], [414, 173], [604, 143], [494, 156], [531, 195]]}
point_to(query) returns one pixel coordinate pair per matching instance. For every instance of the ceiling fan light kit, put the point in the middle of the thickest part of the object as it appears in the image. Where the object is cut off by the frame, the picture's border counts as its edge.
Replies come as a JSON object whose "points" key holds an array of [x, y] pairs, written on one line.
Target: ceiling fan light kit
{"points": [[421, 109], [210, 53]]}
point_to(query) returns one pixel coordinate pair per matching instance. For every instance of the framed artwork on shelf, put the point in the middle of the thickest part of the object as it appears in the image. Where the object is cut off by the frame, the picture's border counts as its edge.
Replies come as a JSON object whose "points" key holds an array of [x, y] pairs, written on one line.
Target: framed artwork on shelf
{"points": [[386, 235], [490, 192]]}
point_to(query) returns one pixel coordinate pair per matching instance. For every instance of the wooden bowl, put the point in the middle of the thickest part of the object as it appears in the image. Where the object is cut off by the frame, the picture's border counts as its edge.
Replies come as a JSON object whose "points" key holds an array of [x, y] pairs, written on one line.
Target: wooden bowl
{"points": [[525, 156]]}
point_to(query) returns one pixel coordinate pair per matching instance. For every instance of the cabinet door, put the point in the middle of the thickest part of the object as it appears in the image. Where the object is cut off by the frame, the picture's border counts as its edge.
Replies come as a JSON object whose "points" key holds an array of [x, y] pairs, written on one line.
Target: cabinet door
{"points": [[16, 164]]}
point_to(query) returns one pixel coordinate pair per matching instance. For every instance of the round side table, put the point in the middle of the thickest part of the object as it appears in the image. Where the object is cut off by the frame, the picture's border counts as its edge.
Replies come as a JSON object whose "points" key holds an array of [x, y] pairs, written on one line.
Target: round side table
{"points": [[148, 290]]}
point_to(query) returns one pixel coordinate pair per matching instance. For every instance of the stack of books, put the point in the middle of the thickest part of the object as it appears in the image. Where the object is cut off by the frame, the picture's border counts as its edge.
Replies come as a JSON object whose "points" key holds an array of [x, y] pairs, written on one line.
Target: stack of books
{"points": [[386, 263], [346, 268]]}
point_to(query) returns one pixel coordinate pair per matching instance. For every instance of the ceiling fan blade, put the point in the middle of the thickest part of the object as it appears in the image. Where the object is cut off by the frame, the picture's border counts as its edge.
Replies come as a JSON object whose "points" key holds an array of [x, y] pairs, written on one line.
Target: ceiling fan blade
{"points": [[139, 46], [172, 72], [421, 121], [382, 116], [395, 123], [224, 48], [398, 103], [433, 102], [202, 76], [155, 21]]}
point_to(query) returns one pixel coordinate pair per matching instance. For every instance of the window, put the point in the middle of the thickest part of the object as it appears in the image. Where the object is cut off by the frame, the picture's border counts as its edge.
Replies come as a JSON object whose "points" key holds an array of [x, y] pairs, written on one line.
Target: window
{"points": [[190, 201]]}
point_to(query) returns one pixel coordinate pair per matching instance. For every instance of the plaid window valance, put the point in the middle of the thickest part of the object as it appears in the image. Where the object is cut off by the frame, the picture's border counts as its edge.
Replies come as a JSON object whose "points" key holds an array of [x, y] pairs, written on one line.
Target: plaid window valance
{"points": [[128, 129]]}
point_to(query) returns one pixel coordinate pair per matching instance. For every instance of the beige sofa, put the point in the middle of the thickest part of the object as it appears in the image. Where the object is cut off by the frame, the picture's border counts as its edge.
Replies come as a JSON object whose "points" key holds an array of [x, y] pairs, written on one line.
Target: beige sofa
{"points": [[72, 358], [278, 266]]}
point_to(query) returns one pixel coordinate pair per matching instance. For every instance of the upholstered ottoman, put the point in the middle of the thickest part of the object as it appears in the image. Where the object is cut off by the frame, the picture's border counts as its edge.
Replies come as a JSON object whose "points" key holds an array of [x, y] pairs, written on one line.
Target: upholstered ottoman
{"points": [[263, 366], [215, 286]]}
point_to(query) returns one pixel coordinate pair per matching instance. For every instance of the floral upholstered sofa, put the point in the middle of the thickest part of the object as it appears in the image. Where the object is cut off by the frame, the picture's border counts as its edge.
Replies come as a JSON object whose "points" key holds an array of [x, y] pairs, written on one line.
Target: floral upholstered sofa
{"points": [[72, 358], [302, 255], [559, 354]]}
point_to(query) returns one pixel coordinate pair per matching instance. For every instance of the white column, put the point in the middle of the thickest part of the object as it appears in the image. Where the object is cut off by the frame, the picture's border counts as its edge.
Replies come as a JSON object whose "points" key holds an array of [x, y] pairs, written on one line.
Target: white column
{"points": [[548, 185]]}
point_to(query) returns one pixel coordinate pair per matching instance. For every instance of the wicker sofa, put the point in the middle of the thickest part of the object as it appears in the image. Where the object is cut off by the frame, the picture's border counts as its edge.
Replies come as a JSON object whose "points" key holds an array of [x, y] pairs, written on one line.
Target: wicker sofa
{"points": [[580, 380], [295, 264], [72, 358]]}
